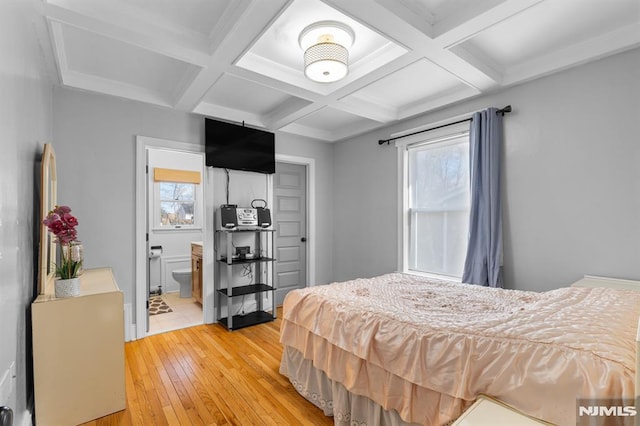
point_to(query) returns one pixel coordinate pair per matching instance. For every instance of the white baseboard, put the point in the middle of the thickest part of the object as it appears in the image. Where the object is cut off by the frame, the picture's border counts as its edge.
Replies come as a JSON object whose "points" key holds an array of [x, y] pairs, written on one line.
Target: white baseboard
{"points": [[130, 329], [132, 333], [27, 418]]}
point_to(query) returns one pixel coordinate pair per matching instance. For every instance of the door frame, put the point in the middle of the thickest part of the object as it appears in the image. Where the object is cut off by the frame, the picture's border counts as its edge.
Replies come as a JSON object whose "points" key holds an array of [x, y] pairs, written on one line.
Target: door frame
{"points": [[311, 245], [141, 255]]}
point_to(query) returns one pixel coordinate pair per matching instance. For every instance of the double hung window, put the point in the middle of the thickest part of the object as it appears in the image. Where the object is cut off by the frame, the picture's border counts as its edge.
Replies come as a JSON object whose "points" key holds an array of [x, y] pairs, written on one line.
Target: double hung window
{"points": [[177, 203], [436, 204], [177, 199]]}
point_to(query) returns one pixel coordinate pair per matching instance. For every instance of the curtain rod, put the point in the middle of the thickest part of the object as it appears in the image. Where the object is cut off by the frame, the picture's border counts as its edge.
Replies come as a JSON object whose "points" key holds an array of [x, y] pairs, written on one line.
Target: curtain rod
{"points": [[502, 112]]}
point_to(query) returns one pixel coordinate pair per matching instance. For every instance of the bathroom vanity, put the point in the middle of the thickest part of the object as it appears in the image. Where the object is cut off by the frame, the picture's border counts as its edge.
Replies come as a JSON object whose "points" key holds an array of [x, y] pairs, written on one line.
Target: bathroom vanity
{"points": [[196, 271]]}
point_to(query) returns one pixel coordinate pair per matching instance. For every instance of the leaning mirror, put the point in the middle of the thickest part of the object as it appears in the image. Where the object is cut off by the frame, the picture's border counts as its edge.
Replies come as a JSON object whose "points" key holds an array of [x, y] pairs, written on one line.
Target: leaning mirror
{"points": [[48, 194]]}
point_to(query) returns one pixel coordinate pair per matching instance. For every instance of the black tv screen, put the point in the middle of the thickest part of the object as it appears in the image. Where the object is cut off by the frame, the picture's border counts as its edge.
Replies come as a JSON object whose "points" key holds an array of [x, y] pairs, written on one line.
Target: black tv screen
{"points": [[232, 146]]}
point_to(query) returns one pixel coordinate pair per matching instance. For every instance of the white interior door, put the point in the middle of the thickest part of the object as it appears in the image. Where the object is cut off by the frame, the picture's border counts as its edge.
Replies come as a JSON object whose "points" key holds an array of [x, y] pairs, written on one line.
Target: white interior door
{"points": [[290, 219]]}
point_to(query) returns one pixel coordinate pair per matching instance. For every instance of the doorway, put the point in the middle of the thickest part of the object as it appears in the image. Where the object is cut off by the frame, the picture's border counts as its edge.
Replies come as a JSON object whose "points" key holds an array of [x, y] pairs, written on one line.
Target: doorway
{"points": [[294, 220], [164, 236], [175, 217]]}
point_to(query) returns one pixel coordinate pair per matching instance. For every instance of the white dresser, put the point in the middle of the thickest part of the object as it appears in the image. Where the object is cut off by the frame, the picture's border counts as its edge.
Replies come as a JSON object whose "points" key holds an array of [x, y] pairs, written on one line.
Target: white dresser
{"points": [[78, 352]]}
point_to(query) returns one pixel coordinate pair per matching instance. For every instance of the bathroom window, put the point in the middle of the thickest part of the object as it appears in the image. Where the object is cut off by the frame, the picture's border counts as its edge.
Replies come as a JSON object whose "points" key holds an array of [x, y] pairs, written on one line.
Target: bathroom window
{"points": [[176, 199], [177, 204]]}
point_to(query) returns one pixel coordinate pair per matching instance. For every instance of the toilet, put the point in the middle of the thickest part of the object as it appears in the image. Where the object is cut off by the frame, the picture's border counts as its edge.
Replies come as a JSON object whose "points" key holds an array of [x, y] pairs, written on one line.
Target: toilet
{"points": [[183, 276]]}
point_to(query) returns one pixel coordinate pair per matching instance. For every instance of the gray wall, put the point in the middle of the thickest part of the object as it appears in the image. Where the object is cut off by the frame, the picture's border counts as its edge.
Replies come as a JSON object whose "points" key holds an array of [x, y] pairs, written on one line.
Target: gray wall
{"points": [[571, 180], [25, 125], [95, 140]]}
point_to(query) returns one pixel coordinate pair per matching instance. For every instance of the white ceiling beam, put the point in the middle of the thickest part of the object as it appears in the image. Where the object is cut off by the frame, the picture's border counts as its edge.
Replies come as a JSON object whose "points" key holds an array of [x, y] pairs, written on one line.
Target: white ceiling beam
{"points": [[327, 135], [279, 119], [349, 132], [286, 87], [256, 18], [479, 78], [436, 102], [624, 38], [377, 17], [139, 35], [411, 17], [311, 132], [365, 79], [363, 108], [115, 88], [288, 111], [479, 61], [59, 50], [230, 114], [233, 12], [130, 16], [352, 85], [469, 21]]}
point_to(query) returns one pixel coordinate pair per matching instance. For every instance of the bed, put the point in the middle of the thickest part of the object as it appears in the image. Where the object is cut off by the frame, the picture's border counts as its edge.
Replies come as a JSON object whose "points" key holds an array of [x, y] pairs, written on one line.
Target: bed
{"points": [[403, 349]]}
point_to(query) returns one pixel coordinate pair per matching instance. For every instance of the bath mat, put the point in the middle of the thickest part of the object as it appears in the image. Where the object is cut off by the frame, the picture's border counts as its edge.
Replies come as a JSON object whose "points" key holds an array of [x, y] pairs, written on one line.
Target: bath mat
{"points": [[158, 306]]}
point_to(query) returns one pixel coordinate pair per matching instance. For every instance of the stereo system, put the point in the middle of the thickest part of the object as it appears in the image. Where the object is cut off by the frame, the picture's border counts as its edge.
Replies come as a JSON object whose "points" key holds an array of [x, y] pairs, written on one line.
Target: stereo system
{"points": [[232, 217]]}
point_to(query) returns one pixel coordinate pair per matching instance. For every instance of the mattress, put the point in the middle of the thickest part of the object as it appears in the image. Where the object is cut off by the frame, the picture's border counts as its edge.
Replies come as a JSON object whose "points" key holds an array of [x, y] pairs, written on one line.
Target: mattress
{"points": [[401, 340]]}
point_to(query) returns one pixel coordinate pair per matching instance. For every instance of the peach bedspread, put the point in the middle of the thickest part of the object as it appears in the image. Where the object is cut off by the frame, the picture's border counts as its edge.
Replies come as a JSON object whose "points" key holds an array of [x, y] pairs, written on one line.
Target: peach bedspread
{"points": [[535, 351]]}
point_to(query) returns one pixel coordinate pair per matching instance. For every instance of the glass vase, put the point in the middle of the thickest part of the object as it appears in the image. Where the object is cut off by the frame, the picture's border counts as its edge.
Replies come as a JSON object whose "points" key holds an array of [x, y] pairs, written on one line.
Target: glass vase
{"points": [[77, 253]]}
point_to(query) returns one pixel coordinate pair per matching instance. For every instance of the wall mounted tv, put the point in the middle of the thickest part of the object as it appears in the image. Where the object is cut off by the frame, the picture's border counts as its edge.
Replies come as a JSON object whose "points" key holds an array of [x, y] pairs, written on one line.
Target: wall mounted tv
{"points": [[232, 146]]}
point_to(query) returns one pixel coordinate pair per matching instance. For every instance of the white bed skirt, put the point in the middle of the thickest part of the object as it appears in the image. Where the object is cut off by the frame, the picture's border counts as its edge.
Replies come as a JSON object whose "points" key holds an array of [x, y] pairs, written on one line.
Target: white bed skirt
{"points": [[331, 397]]}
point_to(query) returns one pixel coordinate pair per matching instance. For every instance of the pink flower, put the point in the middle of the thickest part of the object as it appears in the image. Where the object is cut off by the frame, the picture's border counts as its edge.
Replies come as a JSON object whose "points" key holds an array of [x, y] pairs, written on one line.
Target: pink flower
{"points": [[70, 220], [56, 227], [62, 223], [53, 217]]}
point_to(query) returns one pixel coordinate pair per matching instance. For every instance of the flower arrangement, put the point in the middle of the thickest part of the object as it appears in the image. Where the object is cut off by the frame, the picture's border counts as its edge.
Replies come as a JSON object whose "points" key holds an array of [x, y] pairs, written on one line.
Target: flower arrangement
{"points": [[62, 224]]}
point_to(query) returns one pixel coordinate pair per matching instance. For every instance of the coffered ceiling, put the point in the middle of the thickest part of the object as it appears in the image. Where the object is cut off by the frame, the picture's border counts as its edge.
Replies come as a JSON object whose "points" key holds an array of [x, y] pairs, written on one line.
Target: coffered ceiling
{"points": [[239, 60]]}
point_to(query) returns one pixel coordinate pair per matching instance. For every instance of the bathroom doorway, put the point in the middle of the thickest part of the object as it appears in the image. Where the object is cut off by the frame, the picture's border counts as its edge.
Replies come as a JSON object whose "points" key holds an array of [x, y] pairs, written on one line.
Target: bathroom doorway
{"points": [[171, 224], [175, 217]]}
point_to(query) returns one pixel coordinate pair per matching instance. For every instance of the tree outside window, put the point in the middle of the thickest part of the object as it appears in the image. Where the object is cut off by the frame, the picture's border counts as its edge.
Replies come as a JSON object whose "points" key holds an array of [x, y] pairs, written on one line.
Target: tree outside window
{"points": [[177, 204]]}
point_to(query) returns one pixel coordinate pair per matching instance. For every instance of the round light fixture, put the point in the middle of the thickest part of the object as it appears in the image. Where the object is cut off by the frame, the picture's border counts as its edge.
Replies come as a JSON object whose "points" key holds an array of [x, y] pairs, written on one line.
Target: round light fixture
{"points": [[325, 44]]}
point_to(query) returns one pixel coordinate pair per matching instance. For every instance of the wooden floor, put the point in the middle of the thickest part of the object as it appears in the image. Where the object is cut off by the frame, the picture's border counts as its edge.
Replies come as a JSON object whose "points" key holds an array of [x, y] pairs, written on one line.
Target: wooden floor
{"points": [[205, 375]]}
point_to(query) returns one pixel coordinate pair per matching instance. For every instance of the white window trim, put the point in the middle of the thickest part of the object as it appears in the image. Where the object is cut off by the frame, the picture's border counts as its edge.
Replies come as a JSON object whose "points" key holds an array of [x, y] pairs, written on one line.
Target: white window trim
{"points": [[403, 146]]}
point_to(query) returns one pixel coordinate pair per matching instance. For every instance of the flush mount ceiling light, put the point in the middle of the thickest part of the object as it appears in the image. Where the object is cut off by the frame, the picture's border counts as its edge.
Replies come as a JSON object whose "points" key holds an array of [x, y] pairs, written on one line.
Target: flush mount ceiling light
{"points": [[325, 44]]}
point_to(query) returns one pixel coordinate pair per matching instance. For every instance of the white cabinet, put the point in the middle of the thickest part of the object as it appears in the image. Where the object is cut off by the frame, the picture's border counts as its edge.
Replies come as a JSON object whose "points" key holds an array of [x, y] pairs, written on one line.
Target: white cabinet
{"points": [[78, 352]]}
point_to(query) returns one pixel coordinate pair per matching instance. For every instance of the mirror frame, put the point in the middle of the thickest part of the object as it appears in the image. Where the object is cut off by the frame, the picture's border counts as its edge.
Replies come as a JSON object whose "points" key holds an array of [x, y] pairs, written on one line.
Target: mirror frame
{"points": [[48, 199]]}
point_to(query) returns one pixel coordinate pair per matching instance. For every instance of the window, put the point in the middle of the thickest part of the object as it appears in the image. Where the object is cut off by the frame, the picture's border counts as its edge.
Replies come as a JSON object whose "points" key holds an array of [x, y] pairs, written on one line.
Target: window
{"points": [[436, 205], [176, 201], [177, 204]]}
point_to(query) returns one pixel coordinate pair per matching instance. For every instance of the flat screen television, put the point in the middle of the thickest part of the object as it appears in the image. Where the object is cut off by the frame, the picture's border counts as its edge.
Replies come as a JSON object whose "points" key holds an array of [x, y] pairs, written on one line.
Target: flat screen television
{"points": [[232, 146]]}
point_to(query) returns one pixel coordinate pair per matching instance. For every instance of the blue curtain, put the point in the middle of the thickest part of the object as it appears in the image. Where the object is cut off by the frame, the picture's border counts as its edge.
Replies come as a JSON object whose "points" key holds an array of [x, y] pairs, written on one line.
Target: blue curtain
{"points": [[483, 264]]}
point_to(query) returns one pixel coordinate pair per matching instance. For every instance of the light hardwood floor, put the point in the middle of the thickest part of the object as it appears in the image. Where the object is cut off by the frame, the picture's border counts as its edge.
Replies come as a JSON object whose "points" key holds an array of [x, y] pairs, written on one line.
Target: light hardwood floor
{"points": [[205, 375]]}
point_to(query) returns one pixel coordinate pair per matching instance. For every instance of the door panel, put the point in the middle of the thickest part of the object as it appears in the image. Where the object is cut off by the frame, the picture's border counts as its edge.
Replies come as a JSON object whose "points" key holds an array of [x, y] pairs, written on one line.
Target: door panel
{"points": [[290, 186]]}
